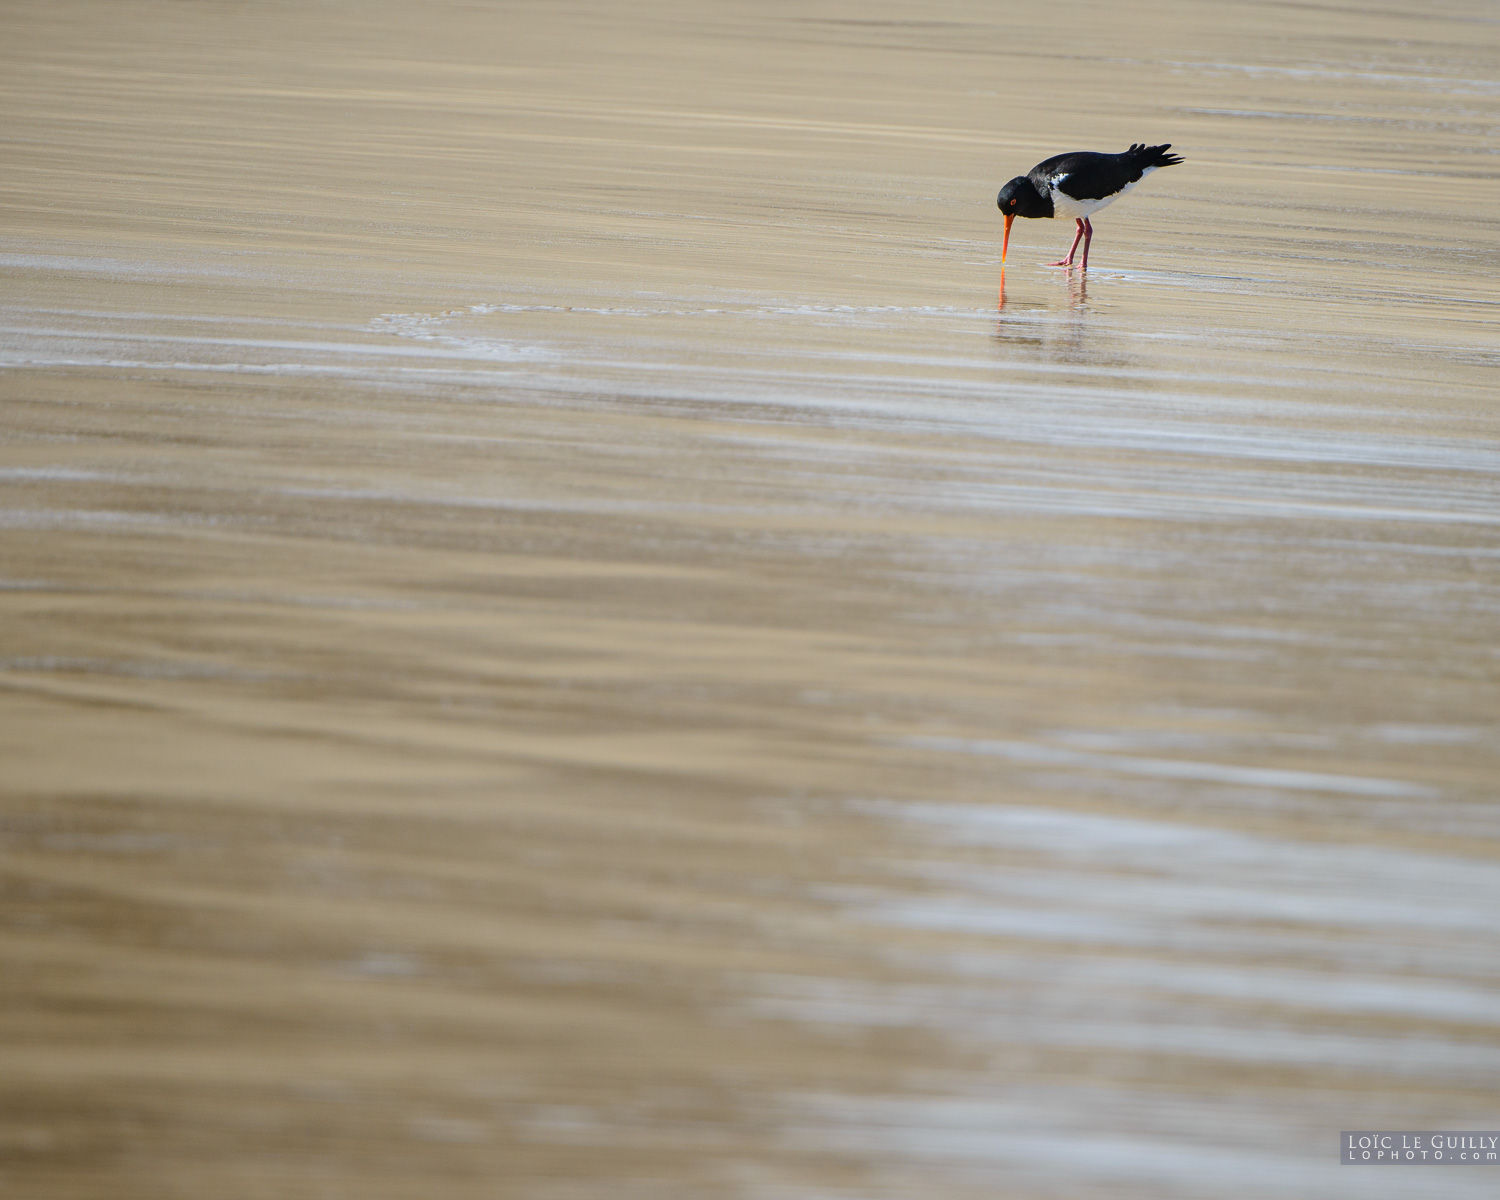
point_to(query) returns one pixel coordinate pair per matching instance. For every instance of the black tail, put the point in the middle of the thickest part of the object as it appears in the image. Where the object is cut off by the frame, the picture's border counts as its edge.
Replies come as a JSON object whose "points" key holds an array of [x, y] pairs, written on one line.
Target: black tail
{"points": [[1154, 156]]}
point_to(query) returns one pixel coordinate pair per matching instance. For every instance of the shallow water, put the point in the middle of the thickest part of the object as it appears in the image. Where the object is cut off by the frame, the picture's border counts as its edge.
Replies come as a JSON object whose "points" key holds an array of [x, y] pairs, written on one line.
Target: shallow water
{"points": [[567, 633]]}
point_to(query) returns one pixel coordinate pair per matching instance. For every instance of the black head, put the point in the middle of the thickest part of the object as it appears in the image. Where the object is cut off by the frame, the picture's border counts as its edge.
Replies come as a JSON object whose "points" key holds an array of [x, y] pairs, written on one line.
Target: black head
{"points": [[1019, 198]]}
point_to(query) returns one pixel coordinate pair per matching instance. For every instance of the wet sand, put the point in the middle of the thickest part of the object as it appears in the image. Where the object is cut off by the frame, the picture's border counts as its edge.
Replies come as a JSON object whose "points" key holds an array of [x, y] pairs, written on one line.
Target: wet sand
{"points": [[564, 634]]}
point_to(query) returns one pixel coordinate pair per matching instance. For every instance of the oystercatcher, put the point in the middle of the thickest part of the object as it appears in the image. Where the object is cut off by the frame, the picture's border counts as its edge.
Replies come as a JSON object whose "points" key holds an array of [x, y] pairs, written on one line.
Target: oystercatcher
{"points": [[1078, 185]]}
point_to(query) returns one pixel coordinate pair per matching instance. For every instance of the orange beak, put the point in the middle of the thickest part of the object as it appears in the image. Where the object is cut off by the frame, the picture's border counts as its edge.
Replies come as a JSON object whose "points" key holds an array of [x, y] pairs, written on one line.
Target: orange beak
{"points": [[1005, 245]]}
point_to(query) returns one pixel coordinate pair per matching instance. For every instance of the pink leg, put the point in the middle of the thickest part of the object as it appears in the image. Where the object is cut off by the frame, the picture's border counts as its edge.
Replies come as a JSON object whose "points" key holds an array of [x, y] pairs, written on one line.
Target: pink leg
{"points": [[1068, 262], [1087, 229]]}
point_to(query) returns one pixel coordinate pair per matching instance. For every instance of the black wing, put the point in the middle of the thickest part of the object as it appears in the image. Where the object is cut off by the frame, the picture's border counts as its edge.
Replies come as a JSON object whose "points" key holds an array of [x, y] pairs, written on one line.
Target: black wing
{"points": [[1085, 175]]}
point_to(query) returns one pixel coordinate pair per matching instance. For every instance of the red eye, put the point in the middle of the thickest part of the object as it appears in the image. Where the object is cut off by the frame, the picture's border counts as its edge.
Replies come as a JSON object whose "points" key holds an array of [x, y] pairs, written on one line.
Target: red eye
{"points": [[1013, 204]]}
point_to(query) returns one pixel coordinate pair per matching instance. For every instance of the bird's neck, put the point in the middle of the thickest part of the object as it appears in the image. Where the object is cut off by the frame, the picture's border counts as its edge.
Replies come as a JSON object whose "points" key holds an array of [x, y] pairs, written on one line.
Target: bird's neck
{"points": [[1034, 202]]}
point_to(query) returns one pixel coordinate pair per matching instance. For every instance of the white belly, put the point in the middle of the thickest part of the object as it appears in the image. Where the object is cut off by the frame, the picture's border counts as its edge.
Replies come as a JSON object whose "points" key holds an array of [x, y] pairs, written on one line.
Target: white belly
{"points": [[1065, 207]]}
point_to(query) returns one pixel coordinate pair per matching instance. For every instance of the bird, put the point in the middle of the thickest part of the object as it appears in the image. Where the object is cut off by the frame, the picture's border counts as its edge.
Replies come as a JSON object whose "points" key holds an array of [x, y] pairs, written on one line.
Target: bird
{"points": [[1078, 185]]}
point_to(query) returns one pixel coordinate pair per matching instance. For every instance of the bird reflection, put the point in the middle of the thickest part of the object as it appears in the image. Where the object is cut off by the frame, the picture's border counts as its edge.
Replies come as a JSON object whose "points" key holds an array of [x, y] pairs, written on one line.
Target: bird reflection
{"points": [[1037, 325], [1077, 283], [1078, 288]]}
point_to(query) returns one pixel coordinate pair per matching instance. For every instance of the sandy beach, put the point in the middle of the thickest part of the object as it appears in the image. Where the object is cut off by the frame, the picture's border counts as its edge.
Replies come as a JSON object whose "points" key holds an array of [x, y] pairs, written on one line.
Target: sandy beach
{"points": [[566, 634]]}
